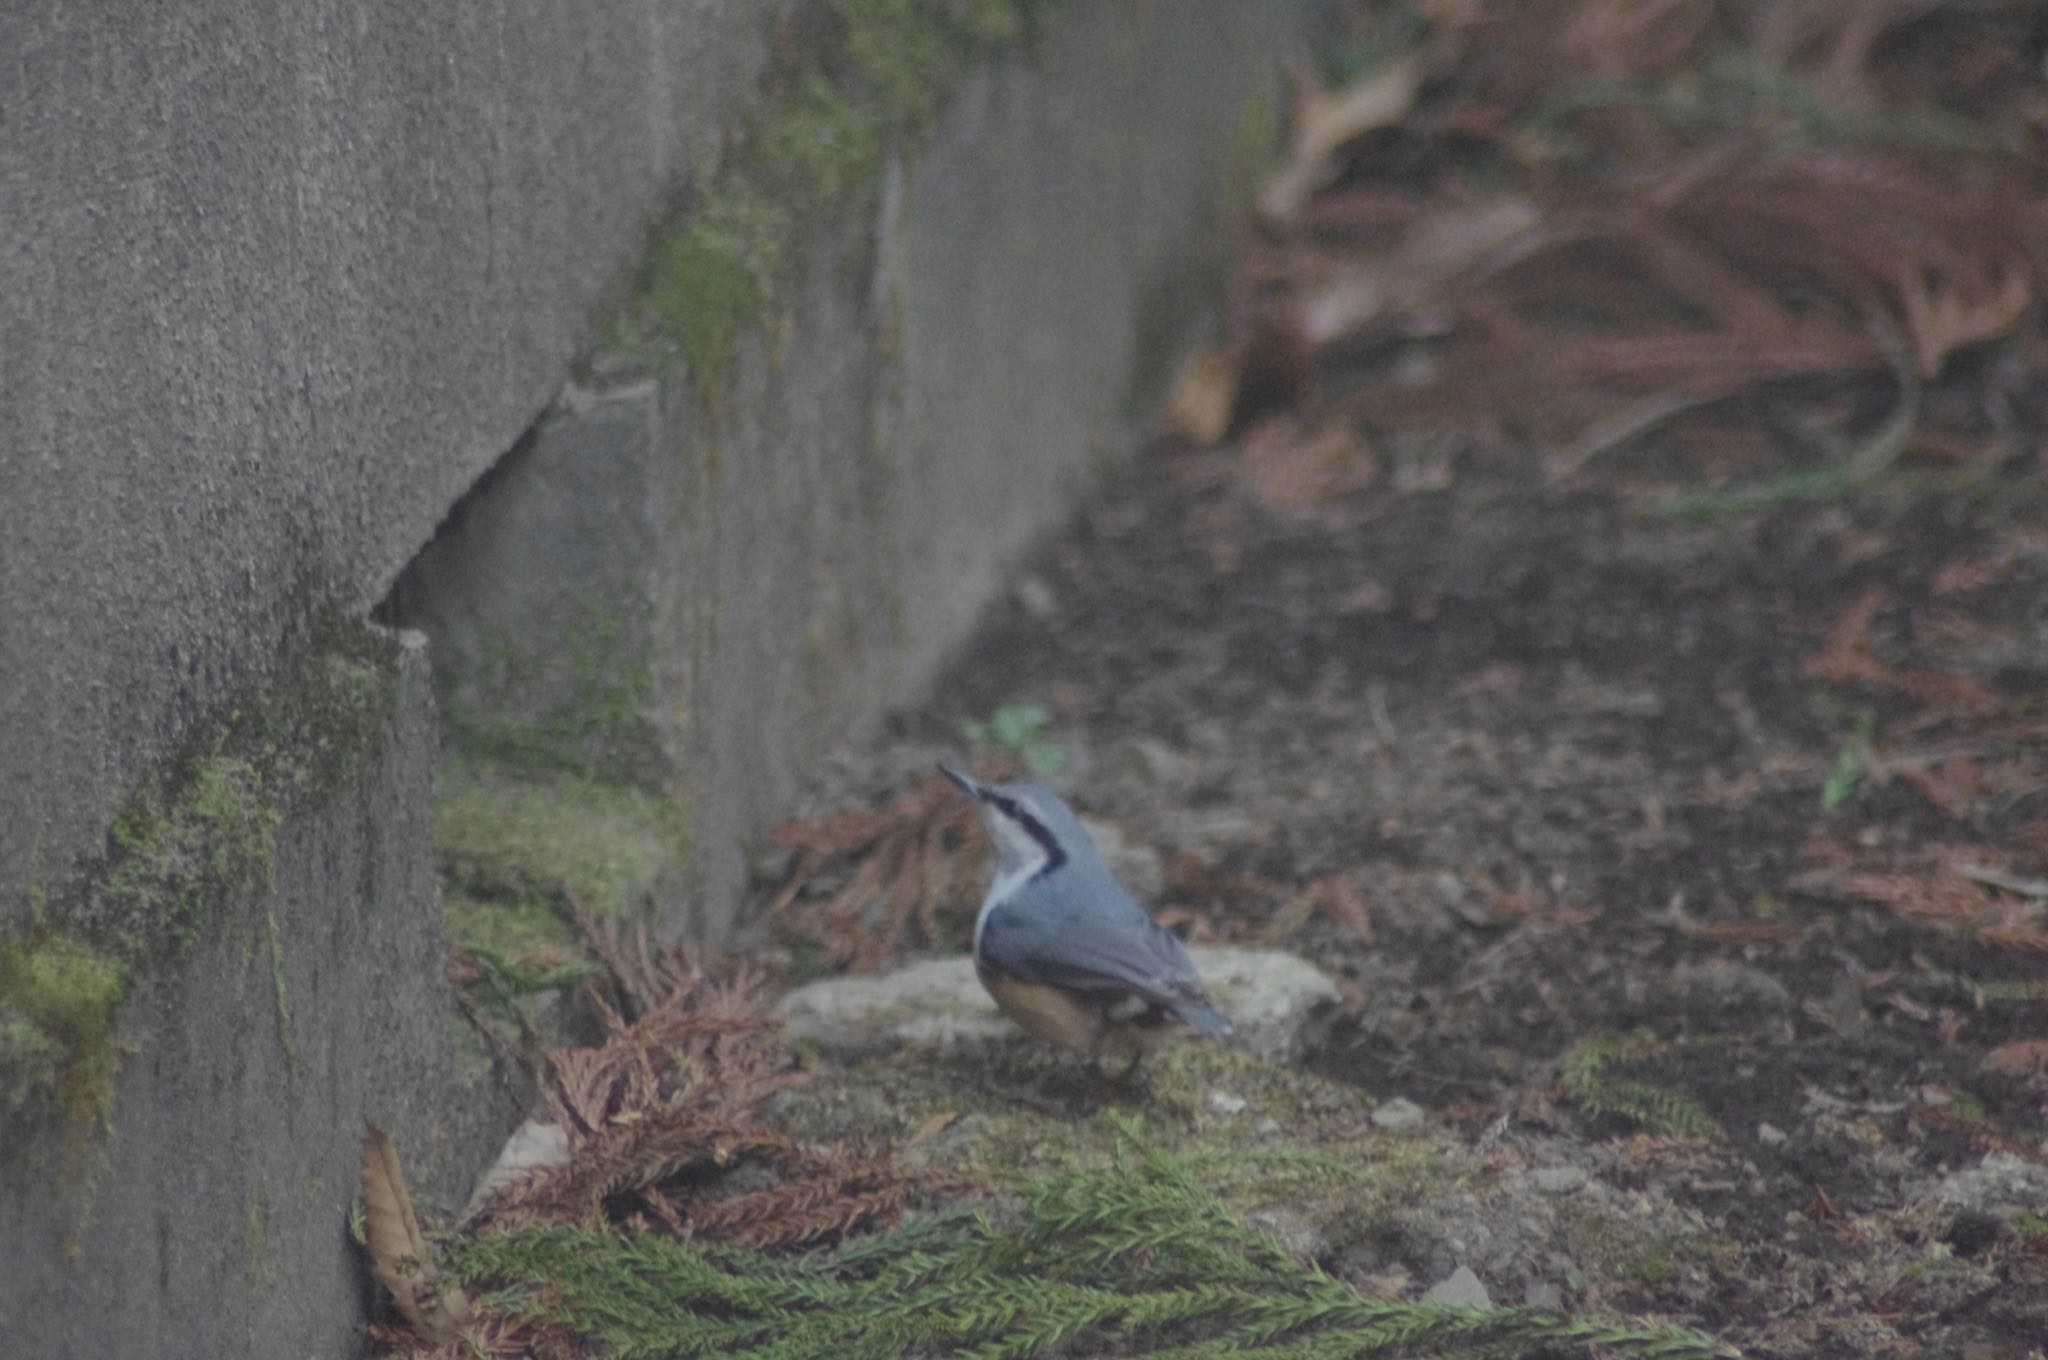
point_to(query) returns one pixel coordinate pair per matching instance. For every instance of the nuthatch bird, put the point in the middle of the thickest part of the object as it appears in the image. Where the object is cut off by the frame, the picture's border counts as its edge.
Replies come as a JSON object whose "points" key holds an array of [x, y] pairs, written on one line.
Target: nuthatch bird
{"points": [[1062, 948]]}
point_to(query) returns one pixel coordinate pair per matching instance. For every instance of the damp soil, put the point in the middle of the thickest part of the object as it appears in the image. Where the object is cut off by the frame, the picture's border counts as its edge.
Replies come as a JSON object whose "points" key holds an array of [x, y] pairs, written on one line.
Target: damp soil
{"points": [[1575, 767]]}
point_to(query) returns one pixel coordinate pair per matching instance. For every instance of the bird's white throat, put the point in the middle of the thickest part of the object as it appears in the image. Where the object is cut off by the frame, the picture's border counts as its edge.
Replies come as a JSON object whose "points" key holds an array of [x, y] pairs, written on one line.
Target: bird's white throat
{"points": [[1007, 884]]}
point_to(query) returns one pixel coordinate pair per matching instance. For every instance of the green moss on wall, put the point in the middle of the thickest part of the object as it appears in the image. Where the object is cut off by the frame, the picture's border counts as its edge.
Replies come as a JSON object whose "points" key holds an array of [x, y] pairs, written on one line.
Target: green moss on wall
{"points": [[207, 825], [201, 830], [524, 840], [600, 729], [59, 1052], [856, 77]]}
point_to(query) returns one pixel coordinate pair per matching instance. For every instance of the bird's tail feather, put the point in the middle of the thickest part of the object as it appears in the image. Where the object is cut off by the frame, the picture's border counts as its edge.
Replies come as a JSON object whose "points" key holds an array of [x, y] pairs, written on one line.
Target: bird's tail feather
{"points": [[1203, 1017]]}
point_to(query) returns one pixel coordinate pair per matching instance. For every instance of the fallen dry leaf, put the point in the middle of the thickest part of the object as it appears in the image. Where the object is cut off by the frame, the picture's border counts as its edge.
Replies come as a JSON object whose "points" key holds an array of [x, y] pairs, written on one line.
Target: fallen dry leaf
{"points": [[399, 1252], [1847, 657], [1437, 246], [1204, 397], [1290, 469], [2019, 1058], [1339, 896], [1953, 786], [1324, 122]]}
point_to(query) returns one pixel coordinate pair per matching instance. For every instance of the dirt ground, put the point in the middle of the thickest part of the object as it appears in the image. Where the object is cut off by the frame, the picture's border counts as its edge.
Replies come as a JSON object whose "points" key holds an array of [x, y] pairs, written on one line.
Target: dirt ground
{"points": [[1595, 606], [1570, 758], [1698, 845]]}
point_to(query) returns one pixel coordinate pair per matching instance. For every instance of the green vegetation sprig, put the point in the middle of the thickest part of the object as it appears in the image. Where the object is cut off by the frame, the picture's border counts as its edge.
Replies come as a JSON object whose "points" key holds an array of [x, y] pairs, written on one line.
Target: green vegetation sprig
{"points": [[1587, 1080], [1137, 1259]]}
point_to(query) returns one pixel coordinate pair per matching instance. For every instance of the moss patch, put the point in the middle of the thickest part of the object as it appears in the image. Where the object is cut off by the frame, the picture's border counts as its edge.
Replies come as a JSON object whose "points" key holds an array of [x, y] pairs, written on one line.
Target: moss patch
{"points": [[597, 729], [1293, 1144], [520, 840], [855, 77], [516, 846], [207, 827], [59, 1053], [202, 829]]}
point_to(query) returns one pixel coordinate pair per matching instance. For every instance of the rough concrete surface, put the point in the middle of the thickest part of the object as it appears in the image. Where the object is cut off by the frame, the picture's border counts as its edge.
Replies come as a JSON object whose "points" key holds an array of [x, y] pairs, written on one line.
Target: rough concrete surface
{"points": [[931, 392], [210, 1218], [276, 286]]}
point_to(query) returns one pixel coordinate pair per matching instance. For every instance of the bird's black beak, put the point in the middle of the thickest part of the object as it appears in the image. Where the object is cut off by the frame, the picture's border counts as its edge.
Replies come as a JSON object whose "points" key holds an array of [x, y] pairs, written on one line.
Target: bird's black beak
{"points": [[967, 786]]}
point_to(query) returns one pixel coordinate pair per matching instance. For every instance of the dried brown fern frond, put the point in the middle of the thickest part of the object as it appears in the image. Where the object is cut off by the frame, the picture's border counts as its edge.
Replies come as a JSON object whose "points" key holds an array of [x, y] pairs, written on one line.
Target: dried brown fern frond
{"points": [[678, 1088], [825, 1194], [661, 1115], [900, 863]]}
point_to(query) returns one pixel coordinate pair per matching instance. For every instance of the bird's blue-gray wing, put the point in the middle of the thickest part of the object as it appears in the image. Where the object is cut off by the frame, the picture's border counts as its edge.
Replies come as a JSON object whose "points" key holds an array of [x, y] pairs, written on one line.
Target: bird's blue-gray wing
{"points": [[1103, 954]]}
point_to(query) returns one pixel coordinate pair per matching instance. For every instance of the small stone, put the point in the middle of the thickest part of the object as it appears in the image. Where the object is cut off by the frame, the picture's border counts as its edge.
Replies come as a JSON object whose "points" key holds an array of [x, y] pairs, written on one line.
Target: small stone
{"points": [[1543, 1294], [1296, 1231], [1711, 989], [1205, 829], [1770, 1135], [1224, 1102], [1269, 995], [1460, 1289], [1397, 1115], [1160, 764], [533, 1146], [1036, 598], [1268, 1127], [1557, 1180]]}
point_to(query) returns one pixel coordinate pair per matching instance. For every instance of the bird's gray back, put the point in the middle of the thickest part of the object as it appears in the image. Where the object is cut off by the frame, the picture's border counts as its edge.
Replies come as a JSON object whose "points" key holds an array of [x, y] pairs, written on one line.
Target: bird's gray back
{"points": [[1079, 928]]}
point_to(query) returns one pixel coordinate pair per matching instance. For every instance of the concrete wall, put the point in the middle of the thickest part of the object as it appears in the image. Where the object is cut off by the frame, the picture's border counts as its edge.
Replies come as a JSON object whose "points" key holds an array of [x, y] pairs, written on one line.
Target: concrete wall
{"points": [[276, 285], [207, 1215], [756, 580], [277, 288]]}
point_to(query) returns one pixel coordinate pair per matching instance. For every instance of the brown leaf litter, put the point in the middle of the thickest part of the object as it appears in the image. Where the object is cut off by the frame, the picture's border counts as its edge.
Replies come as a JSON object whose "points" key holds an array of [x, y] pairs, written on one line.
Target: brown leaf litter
{"points": [[864, 882], [664, 1128], [1612, 273]]}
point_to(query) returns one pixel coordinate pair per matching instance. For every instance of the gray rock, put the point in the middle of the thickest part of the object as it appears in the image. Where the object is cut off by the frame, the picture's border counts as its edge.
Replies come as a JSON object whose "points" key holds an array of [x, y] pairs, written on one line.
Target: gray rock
{"points": [[1226, 1103], [1718, 988], [1267, 993], [1160, 763], [533, 1145], [2001, 1181], [1460, 1289], [1036, 598], [1397, 1115], [937, 1001], [1557, 1180]]}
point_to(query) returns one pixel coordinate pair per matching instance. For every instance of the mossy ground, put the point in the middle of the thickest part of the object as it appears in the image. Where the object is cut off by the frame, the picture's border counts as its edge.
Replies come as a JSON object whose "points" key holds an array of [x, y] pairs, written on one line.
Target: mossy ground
{"points": [[1263, 1136]]}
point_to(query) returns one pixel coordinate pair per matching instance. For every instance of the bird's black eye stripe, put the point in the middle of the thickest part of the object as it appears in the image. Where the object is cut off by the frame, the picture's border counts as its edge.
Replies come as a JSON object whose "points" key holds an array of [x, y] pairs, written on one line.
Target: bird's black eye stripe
{"points": [[1037, 830]]}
